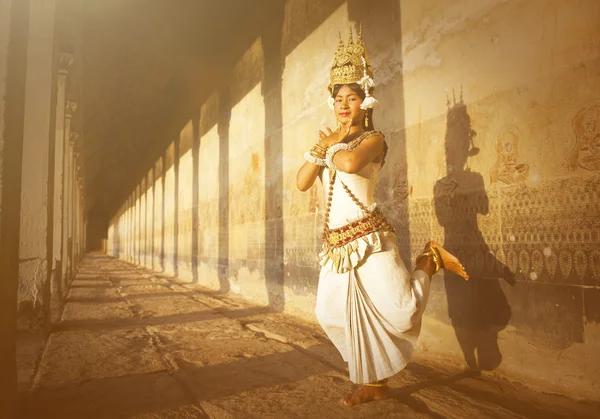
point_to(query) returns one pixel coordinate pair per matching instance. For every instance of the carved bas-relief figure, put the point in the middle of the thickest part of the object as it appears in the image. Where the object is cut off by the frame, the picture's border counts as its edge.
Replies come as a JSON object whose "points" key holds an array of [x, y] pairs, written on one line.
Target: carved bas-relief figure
{"points": [[478, 309], [586, 153], [507, 168]]}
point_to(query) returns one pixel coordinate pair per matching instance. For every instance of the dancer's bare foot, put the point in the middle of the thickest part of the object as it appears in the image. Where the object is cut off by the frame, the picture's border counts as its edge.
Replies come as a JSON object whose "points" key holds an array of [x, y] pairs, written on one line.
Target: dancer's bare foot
{"points": [[451, 262], [366, 394]]}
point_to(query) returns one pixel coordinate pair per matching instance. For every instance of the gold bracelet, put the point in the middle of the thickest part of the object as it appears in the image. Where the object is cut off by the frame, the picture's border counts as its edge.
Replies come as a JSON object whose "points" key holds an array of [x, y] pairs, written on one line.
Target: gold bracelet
{"points": [[316, 153], [324, 150]]}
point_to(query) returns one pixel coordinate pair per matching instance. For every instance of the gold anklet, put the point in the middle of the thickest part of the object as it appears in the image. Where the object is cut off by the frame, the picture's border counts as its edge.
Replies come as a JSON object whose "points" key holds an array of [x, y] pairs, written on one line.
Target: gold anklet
{"points": [[379, 383], [434, 254]]}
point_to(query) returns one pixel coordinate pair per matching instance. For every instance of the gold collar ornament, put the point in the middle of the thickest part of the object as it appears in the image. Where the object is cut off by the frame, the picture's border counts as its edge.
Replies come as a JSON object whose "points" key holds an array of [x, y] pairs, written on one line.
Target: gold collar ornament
{"points": [[351, 65]]}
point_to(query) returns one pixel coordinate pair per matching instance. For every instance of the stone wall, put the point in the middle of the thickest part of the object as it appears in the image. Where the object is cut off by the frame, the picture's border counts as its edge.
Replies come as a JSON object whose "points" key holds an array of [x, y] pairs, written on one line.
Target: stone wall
{"points": [[491, 111]]}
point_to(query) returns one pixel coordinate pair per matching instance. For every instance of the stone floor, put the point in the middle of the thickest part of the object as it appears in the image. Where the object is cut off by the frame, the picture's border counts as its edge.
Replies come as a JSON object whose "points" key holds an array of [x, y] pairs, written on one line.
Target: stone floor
{"points": [[132, 344]]}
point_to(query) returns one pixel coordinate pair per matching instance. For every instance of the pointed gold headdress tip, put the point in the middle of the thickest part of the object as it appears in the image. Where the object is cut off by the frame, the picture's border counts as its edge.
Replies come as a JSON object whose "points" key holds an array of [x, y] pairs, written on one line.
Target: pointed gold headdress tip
{"points": [[340, 42], [350, 64]]}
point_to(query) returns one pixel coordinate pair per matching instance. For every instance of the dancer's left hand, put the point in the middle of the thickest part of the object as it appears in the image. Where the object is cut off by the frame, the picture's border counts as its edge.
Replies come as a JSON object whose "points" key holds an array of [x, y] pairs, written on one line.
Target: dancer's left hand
{"points": [[337, 136]]}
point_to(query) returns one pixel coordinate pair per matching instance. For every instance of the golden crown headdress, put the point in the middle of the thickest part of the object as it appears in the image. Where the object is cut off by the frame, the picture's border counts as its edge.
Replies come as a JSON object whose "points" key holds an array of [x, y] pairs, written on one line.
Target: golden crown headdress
{"points": [[351, 65]]}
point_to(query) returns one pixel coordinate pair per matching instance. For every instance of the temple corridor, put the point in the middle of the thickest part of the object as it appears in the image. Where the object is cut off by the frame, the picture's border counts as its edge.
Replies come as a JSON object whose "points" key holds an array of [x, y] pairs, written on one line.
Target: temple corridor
{"points": [[159, 259]]}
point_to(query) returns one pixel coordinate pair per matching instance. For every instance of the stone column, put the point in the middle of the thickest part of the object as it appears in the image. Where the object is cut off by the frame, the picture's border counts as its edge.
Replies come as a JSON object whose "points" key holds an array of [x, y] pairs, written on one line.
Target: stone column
{"points": [[81, 218], [74, 210], [77, 230], [14, 27], [70, 109], [65, 61], [34, 266], [73, 137], [78, 211], [75, 235]]}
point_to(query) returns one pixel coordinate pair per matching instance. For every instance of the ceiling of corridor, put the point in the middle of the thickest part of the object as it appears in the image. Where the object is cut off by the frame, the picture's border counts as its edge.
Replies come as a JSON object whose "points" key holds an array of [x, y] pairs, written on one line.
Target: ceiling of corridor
{"points": [[143, 65]]}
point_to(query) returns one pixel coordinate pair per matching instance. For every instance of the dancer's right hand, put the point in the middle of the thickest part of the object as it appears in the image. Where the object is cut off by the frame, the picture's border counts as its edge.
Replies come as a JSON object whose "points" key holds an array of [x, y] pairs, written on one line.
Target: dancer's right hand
{"points": [[337, 136]]}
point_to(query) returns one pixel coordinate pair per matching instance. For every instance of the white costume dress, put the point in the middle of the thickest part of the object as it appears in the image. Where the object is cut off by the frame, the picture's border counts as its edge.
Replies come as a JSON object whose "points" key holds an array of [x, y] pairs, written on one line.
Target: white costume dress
{"points": [[369, 304]]}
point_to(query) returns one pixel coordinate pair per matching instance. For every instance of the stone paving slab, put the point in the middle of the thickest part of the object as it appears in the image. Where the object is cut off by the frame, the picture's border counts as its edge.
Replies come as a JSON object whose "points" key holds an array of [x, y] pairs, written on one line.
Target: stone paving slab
{"points": [[90, 284], [136, 396], [72, 357], [237, 375], [93, 294], [133, 344], [103, 310], [137, 284], [88, 276], [192, 336], [184, 412], [164, 303], [301, 401]]}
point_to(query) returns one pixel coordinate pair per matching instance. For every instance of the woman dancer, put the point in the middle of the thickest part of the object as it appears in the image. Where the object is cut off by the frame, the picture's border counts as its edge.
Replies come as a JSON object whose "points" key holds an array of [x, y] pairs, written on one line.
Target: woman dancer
{"points": [[368, 303]]}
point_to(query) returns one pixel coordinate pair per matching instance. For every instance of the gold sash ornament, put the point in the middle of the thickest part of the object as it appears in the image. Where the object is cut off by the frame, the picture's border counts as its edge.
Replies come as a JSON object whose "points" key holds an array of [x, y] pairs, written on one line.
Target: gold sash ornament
{"points": [[372, 222]]}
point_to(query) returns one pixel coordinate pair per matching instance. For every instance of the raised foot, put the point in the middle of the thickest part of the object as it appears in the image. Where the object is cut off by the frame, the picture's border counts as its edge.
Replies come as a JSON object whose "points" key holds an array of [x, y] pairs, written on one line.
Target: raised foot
{"points": [[366, 394], [451, 262]]}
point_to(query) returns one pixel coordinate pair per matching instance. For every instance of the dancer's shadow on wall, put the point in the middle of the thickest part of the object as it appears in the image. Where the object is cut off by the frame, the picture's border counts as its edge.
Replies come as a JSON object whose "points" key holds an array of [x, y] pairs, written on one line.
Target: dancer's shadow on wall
{"points": [[478, 308]]}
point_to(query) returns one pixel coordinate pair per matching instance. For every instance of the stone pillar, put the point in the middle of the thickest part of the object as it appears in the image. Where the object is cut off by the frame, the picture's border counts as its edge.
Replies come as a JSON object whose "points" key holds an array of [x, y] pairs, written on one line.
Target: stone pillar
{"points": [[75, 209], [34, 266], [81, 218], [70, 109], [65, 61], [73, 137], [14, 27], [78, 211], [77, 230], [85, 229]]}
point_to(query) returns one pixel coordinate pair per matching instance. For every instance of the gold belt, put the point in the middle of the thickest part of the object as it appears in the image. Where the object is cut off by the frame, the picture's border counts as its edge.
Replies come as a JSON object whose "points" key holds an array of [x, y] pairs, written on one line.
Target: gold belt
{"points": [[373, 221]]}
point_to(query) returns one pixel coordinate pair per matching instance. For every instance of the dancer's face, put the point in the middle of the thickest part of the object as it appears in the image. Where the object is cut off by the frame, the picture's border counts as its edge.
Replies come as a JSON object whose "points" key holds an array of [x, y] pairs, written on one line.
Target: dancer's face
{"points": [[347, 106]]}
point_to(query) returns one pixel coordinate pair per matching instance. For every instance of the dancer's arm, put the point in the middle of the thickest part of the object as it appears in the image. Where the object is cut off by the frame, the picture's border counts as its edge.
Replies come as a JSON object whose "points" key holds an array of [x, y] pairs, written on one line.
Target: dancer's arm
{"points": [[309, 172], [354, 161], [307, 175]]}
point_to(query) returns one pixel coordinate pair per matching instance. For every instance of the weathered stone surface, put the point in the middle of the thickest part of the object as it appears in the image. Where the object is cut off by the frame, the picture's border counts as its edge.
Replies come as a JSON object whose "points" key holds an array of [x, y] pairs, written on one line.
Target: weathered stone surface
{"points": [[30, 347], [92, 293], [82, 285], [165, 303], [72, 357], [230, 359], [33, 275], [35, 266], [106, 311], [152, 395]]}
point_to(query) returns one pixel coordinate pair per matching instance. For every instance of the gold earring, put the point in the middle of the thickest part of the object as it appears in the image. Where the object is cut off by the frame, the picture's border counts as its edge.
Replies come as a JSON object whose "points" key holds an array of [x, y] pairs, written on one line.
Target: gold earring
{"points": [[366, 120]]}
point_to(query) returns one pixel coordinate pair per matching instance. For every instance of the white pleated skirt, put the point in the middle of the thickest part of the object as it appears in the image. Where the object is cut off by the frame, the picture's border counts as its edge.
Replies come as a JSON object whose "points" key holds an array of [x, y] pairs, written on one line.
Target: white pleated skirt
{"points": [[372, 313]]}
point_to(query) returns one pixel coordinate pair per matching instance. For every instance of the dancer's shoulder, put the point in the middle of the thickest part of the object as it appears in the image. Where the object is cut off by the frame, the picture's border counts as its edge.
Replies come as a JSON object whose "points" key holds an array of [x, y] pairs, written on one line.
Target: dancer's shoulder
{"points": [[367, 135]]}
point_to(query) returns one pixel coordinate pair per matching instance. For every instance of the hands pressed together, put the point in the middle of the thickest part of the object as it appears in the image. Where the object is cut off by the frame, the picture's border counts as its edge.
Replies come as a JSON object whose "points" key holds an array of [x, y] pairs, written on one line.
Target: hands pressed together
{"points": [[337, 136], [330, 138]]}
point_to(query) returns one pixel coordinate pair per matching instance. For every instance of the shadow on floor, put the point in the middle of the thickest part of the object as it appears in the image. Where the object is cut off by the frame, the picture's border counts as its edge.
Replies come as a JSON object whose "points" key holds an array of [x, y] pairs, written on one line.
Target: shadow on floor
{"points": [[157, 393], [172, 366], [132, 323]]}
